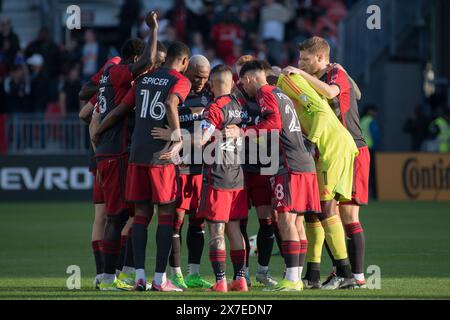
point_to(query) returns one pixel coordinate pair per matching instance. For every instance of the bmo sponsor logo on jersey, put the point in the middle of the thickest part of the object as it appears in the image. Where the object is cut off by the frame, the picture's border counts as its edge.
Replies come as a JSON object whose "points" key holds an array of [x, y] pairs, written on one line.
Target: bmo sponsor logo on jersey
{"points": [[45, 178]]}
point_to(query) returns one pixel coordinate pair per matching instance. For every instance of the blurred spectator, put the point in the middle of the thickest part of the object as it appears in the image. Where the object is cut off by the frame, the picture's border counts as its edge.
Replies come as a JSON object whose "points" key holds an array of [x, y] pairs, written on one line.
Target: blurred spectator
{"points": [[70, 55], [225, 34], [197, 45], [68, 96], [213, 59], [128, 17], [416, 125], [440, 131], [17, 90], [237, 52], [9, 42], [206, 18], [248, 19], [332, 41], [4, 110], [46, 48], [274, 16], [90, 55], [182, 19], [40, 82]]}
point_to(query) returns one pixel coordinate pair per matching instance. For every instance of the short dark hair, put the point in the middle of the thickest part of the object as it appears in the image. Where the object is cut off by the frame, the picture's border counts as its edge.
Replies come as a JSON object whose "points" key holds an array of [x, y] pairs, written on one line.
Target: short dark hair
{"points": [[178, 50], [131, 48], [161, 47], [253, 65], [221, 68], [266, 65]]}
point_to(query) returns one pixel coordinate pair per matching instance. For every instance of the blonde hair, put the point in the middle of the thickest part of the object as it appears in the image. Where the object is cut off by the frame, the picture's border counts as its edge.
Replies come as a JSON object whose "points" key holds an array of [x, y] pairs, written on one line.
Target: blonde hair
{"points": [[315, 45]]}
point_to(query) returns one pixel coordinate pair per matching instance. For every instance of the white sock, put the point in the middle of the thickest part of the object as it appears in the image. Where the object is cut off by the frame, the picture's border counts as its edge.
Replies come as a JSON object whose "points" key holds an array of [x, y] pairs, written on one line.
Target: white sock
{"points": [[292, 274], [359, 276], [160, 278], [140, 274], [99, 276], [117, 272], [128, 270], [193, 268], [262, 269], [108, 278], [300, 271], [175, 270], [247, 271]]}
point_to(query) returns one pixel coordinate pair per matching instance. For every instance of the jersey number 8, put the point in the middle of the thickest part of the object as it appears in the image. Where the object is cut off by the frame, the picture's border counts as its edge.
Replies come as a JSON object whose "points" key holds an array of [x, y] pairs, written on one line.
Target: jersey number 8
{"points": [[157, 108]]}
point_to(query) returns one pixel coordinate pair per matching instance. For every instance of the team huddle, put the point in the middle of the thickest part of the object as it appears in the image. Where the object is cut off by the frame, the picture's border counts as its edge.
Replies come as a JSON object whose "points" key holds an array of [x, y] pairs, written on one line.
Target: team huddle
{"points": [[169, 131]]}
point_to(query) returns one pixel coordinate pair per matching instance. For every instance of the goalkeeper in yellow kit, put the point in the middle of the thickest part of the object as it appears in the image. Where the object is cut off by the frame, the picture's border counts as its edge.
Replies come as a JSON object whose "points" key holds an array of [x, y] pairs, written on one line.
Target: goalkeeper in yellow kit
{"points": [[334, 164]]}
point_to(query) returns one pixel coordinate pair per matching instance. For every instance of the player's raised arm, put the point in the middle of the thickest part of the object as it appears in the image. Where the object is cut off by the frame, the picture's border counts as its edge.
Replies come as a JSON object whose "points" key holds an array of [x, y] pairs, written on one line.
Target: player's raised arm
{"points": [[148, 57]]}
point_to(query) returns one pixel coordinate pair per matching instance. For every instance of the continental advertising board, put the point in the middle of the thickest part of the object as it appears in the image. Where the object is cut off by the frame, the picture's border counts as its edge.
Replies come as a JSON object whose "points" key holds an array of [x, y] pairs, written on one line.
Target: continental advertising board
{"points": [[413, 176]]}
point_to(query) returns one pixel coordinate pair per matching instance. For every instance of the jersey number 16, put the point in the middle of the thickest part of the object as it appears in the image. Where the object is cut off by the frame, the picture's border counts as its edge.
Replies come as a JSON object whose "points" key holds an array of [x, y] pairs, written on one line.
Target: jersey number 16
{"points": [[157, 108]]}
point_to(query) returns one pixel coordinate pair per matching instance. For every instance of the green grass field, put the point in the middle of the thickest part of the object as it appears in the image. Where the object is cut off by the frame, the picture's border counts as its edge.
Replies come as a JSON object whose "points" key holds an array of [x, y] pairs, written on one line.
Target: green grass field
{"points": [[410, 242]]}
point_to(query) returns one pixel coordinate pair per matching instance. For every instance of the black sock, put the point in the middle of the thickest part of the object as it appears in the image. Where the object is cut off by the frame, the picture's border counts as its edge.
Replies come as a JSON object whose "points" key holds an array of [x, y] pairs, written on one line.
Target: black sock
{"points": [[343, 268], [264, 241], [356, 246], [276, 232], [330, 254], [302, 255], [111, 240], [195, 240], [313, 272], [164, 234], [247, 242], [218, 262], [238, 260], [175, 253], [98, 256], [123, 249], [129, 259], [139, 237]]}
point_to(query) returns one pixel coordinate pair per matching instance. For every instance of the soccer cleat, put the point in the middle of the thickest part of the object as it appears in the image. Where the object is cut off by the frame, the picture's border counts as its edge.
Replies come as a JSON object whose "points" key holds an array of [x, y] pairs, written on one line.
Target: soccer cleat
{"points": [[140, 285], [167, 286], [219, 286], [330, 277], [116, 285], [308, 284], [238, 285], [266, 279], [196, 281], [178, 281], [247, 278], [286, 285], [360, 284], [339, 283], [97, 280], [127, 278]]}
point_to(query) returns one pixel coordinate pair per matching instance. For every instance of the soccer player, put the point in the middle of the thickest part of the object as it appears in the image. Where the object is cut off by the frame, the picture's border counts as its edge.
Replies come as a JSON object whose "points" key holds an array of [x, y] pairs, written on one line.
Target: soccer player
{"points": [[191, 113], [259, 189], [334, 166], [152, 179], [223, 199], [333, 83], [296, 190], [87, 113], [112, 146]]}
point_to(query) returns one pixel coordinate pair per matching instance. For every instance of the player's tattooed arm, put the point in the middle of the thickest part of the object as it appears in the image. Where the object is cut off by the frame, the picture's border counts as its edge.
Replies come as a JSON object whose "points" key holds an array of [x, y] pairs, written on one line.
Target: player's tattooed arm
{"points": [[217, 236], [85, 113], [114, 116], [87, 91], [148, 57]]}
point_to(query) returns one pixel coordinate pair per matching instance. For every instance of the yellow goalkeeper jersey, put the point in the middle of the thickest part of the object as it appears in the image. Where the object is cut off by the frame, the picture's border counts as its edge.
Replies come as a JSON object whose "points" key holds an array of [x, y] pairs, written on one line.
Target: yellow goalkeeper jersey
{"points": [[317, 119]]}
